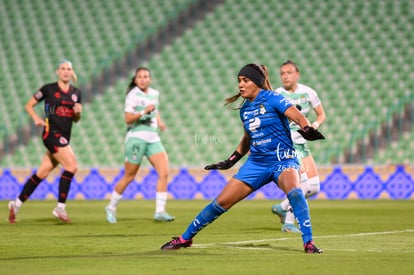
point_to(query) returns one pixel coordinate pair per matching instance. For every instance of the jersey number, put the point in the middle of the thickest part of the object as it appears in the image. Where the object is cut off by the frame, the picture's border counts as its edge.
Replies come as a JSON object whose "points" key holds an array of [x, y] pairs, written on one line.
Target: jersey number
{"points": [[254, 123]]}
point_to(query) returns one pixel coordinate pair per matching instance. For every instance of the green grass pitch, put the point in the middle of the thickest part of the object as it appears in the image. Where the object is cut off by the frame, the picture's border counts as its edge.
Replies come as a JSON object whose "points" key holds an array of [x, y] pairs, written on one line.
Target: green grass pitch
{"points": [[358, 237]]}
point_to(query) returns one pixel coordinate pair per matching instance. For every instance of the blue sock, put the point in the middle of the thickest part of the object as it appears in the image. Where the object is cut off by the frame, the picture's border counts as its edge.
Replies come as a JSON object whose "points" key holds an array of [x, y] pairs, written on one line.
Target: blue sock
{"points": [[301, 211], [211, 212]]}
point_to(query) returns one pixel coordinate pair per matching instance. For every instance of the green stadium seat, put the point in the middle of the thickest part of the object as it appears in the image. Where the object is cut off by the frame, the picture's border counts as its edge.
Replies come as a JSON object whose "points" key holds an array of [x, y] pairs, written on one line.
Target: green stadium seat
{"points": [[351, 58]]}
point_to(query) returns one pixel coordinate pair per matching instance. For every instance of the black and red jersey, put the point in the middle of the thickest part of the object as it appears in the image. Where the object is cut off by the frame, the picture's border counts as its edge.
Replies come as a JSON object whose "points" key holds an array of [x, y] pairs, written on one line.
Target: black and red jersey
{"points": [[58, 108]]}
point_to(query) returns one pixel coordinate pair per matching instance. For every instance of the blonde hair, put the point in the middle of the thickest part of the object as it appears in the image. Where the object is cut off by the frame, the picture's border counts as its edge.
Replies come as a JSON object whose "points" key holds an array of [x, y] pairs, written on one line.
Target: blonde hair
{"points": [[74, 77], [262, 69]]}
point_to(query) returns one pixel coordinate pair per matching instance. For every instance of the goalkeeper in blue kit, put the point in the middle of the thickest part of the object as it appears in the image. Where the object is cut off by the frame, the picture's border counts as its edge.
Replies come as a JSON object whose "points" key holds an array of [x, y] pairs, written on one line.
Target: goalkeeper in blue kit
{"points": [[264, 115]]}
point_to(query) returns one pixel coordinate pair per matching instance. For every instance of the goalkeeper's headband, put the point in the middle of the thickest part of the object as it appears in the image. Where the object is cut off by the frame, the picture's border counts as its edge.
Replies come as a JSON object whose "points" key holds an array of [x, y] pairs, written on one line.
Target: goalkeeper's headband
{"points": [[251, 71]]}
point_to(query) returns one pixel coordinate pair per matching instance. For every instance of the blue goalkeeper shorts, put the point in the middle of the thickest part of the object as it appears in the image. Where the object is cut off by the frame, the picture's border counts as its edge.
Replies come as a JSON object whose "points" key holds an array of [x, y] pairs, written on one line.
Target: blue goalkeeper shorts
{"points": [[259, 173]]}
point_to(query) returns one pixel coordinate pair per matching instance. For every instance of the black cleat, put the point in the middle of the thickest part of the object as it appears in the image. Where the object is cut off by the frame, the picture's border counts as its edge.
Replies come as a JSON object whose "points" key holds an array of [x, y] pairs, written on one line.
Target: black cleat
{"points": [[310, 247], [176, 243]]}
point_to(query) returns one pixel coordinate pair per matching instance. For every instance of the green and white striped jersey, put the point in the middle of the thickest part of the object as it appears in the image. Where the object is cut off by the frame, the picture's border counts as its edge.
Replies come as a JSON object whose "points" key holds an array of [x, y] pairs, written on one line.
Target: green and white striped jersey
{"points": [[307, 99], [146, 127]]}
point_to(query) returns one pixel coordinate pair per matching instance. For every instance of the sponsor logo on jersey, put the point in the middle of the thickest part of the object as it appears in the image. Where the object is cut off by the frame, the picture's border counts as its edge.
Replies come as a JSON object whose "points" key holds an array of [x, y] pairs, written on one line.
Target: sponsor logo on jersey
{"points": [[65, 102], [253, 113], [63, 111], [261, 142]]}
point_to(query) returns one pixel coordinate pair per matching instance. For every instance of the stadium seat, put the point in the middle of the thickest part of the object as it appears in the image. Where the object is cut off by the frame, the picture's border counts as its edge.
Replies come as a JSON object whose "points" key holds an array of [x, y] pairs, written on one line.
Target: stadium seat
{"points": [[348, 51]]}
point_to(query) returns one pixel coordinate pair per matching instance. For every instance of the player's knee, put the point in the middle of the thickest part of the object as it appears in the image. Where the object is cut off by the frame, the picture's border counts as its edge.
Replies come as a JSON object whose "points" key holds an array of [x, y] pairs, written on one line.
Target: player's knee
{"points": [[129, 176], [73, 167], [163, 175]]}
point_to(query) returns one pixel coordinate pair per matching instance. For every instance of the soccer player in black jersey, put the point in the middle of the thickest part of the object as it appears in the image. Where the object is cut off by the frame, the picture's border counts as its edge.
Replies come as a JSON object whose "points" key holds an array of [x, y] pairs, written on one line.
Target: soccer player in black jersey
{"points": [[62, 107]]}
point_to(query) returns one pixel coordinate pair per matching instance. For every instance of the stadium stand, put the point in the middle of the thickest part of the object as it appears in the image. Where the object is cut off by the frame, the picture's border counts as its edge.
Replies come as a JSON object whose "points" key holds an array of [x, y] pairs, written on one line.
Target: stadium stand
{"points": [[36, 35], [354, 53]]}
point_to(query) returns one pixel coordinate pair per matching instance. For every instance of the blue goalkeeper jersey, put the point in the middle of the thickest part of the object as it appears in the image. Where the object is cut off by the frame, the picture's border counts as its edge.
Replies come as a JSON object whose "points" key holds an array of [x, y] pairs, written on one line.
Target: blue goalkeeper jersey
{"points": [[264, 121]]}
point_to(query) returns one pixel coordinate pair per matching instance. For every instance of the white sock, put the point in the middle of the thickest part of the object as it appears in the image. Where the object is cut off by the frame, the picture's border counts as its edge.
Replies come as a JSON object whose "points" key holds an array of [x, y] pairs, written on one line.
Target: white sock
{"points": [[290, 218], [18, 203], [312, 187], [115, 198], [61, 205], [285, 204], [160, 201]]}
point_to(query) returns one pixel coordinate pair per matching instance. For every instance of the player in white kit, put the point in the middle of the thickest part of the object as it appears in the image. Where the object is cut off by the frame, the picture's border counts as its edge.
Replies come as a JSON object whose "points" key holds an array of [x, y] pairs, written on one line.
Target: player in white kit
{"points": [[306, 100], [142, 139]]}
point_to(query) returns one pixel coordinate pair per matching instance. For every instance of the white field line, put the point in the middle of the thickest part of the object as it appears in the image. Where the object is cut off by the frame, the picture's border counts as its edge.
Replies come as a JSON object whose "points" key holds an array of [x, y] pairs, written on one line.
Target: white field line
{"points": [[234, 244]]}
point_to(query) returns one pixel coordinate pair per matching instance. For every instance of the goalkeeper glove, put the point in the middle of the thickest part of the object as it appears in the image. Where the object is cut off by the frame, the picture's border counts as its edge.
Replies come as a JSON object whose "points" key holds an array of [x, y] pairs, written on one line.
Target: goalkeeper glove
{"points": [[228, 163], [310, 133]]}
